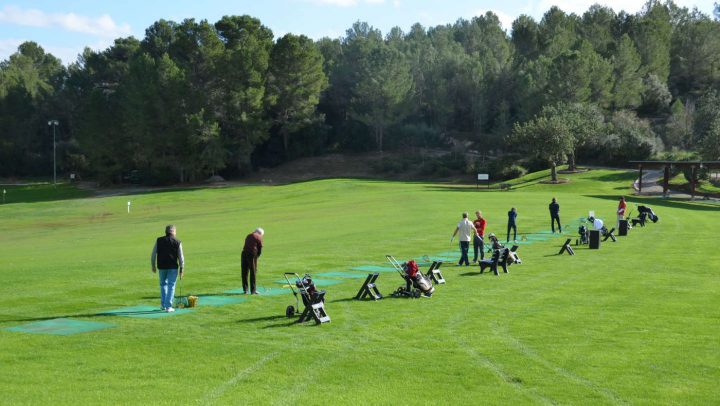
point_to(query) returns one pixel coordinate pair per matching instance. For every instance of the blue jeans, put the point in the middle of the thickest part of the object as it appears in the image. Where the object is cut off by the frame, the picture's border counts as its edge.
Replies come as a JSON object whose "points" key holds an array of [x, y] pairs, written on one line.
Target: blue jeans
{"points": [[478, 246], [464, 247], [168, 277]]}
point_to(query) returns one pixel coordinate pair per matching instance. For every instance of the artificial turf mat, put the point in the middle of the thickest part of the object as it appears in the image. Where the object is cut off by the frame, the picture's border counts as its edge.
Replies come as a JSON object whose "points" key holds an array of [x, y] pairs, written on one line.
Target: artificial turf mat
{"points": [[349, 275], [219, 300], [373, 268], [263, 291], [60, 327], [147, 312], [317, 282]]}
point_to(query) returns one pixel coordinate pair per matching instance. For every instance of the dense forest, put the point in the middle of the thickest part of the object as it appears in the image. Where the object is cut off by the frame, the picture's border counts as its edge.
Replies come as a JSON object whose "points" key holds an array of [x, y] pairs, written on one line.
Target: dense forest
{"points": [[193, 99]]}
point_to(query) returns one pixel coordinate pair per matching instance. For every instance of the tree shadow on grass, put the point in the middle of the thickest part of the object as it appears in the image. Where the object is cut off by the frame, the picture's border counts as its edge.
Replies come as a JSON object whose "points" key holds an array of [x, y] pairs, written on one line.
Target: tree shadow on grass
{"points": [[628, 176], [260, 319], [662, 202], [475, 273]]}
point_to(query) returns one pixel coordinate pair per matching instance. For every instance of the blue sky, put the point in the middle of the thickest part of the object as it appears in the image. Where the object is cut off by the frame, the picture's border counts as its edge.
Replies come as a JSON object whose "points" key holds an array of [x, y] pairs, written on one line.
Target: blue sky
{"points": [[64, 28]]}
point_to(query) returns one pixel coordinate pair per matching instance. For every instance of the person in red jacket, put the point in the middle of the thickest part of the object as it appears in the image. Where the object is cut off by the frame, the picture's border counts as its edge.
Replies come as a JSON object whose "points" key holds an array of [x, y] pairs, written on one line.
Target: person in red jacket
{"points": [[622, 208], [478, 241], [248, 260]]}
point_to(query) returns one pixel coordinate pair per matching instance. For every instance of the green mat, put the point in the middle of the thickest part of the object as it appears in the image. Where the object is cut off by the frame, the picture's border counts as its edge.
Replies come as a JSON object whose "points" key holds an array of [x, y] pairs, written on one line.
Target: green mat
{"points": [[350, 275], [318, 282], [219, 300], [60, 327], [263, 291], [373, 268], [147, 312]]}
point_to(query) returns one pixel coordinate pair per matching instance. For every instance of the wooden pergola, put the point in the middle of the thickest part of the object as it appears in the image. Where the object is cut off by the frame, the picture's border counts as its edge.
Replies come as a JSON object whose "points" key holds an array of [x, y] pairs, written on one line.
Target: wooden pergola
{"points": [[667, 165]]}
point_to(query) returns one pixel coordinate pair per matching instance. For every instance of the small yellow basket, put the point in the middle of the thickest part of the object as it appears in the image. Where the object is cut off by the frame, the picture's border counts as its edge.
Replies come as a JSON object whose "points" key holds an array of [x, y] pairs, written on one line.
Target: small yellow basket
{"points": [[192, 301]]}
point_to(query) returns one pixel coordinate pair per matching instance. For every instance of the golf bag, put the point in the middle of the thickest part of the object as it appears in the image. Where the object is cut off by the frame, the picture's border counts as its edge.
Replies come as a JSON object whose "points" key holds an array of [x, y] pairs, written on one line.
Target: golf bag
{"points": [[416, 279], [583, 232], [649, 213], [416, 284]]}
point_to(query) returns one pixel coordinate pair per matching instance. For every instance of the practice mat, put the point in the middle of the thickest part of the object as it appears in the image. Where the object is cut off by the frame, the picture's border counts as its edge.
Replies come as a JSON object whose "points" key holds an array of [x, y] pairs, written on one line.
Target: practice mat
{"points": [[317, 282], [373, 268], [60, 327], [263, 291], [351, 275], [219, 300], [147, 312]]}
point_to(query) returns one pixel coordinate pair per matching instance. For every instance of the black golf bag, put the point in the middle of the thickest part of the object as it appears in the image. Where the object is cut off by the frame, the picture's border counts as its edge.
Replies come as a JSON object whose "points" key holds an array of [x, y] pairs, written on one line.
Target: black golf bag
{"points": [[644, 214], [583, 233]]}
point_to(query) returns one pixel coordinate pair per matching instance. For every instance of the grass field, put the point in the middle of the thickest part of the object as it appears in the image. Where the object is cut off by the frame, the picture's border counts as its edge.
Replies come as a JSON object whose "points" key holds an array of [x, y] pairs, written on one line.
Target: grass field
{"points": [[636, 322]]}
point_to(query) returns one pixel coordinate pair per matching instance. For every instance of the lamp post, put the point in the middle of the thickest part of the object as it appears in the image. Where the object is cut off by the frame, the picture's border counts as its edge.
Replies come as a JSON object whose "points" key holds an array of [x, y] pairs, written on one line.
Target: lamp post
{"points": [[54, 124]]}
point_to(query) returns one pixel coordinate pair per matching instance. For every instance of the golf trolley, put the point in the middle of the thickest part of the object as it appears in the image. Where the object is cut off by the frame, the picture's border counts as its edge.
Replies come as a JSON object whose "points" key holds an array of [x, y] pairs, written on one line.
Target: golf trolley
{"points": [[645, 213], [416, 284], [313, 299]]}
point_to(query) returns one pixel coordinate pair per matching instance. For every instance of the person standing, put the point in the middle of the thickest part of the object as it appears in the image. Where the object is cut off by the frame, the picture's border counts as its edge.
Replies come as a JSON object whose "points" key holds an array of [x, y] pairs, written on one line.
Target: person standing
{"points": [[249, 257], [467, 230], [622, 207], [479, 238], [512, 216], [167, 257], [555, 215]]}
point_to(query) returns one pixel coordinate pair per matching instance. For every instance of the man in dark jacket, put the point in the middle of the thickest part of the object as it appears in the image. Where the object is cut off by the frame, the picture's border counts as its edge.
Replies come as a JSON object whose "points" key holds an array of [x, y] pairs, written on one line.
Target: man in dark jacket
{"points": [[555, 215], [248, 260], [167, 256]]}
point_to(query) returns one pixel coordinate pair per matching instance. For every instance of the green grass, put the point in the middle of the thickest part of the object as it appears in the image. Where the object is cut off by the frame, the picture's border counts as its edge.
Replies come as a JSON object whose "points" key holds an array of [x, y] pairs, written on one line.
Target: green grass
{"points": [[636, 322], [40, 192], [680, 183]]}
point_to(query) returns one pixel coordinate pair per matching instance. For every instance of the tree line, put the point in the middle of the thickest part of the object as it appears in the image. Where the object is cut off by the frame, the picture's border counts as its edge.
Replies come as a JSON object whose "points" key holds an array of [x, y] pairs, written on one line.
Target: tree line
{"points": [[193, 99]]}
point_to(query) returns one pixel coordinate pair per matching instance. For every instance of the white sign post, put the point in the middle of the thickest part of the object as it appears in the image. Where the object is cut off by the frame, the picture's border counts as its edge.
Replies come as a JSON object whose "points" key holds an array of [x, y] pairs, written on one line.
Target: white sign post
{"points": [[483, 177], [128, 207]]}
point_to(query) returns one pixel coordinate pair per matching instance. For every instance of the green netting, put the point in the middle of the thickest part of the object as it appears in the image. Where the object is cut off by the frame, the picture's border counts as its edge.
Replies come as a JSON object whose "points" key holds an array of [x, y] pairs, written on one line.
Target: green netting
{"points": [[219, 300], [350, 275], [60, 327], [147, 312], [318, 282], [373, 268]]}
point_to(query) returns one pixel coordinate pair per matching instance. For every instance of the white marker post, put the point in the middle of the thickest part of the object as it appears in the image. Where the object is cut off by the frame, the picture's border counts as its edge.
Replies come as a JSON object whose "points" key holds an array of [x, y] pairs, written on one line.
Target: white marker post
{"points": [[128, 206], [4, 192]]}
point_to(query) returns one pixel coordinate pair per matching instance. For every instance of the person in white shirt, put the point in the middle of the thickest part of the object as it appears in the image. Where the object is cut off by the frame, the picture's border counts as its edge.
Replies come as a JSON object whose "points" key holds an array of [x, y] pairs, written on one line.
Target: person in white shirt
{"points": [[467, 233], [598, 224]]}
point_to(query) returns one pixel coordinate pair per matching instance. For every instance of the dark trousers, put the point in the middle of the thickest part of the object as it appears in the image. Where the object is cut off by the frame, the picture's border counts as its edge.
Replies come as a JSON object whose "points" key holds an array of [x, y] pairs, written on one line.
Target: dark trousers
{"points": [[464, 248], [248, 264], [478, 245], [553, 219], [514, 228]]}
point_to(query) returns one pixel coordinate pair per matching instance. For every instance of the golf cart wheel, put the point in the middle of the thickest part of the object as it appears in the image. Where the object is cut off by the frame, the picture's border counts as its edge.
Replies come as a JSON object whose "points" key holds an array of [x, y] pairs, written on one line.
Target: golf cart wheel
{"points": [[290, 311]]}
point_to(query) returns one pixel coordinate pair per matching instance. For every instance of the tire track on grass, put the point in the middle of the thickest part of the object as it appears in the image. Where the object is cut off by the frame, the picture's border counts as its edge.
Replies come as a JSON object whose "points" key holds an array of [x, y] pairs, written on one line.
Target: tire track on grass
{"points": [[222, 388], [534, 356], [487, 363]]}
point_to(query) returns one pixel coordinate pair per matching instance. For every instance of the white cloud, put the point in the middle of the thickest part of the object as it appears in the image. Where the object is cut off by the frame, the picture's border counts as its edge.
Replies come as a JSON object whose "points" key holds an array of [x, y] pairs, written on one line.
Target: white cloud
{"points": [[396, 3], [345, 3], [8, 47], [506, 20], [102, 26]]}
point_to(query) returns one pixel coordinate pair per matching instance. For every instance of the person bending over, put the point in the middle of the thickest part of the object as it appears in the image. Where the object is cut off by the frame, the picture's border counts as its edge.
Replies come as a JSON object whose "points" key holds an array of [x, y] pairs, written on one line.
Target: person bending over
{"points": [[249, 258]]}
